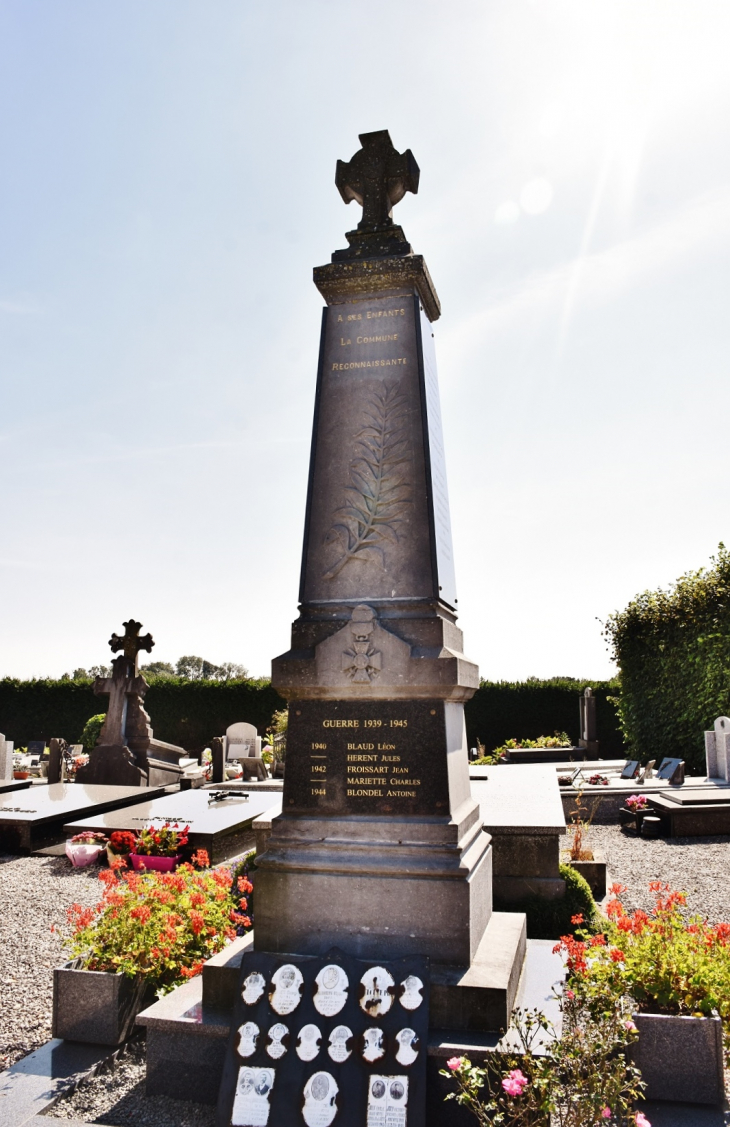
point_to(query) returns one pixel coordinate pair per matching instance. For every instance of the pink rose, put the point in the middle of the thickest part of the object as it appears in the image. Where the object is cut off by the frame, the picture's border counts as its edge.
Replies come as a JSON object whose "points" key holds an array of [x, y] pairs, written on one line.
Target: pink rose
{"points": [[514, 1083], [454, 1063], [641, 1120], [630, 1027], [606, 1113]]}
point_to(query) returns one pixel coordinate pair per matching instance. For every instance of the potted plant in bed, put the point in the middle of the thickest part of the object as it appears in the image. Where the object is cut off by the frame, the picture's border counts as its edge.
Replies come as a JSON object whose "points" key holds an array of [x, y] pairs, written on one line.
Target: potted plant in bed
{"points": [[151, 932], [159, 849], [677, 970], [121, 843], [590, 863]]}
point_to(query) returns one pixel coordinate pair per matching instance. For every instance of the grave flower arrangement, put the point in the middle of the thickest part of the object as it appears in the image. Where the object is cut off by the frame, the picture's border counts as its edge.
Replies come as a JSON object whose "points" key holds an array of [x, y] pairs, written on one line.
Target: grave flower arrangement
{"points": [[636, 802], [84, 848], [670, 964], [598, 781], [121, 843], [160, 927], [154, 846]]}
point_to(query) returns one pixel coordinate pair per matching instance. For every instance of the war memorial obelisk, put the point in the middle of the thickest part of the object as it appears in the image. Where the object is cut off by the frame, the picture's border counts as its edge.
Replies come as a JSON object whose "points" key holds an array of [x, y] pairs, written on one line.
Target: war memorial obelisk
{"points": [[379, 849]]}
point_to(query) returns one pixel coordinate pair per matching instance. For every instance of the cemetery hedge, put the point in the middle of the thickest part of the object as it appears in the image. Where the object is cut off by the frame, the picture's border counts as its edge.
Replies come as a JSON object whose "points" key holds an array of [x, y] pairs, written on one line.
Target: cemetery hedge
{"points": [[524, 710], [187, 713], [673, 650], [191, 713]]}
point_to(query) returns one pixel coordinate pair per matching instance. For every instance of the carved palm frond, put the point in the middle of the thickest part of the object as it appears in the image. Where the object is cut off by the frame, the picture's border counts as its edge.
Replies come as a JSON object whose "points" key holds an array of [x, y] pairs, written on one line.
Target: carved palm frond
{"points": [[378, 494]]}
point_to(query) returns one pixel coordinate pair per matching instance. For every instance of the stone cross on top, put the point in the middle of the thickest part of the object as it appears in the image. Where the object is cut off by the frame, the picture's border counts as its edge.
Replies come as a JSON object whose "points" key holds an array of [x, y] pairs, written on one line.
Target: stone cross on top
{"points": [[377, 177], [130, 642], [125, 687]]}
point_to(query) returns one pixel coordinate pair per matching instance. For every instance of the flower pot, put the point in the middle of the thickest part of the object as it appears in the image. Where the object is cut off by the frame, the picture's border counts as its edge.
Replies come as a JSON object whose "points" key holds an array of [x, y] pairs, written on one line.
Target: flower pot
{"points": [[96, 1007], [594, 873], [154, 864], [81, 853], [680, 1058], [21, 774]]}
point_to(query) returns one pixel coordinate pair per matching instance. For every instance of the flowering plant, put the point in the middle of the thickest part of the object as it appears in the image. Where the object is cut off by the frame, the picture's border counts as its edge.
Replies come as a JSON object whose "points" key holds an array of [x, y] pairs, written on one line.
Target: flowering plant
{"points": [[598, 781], [165, 842], [160, 926], [122, 842], [668, 963], [637, 802], [88, 838], [582, 1079]]}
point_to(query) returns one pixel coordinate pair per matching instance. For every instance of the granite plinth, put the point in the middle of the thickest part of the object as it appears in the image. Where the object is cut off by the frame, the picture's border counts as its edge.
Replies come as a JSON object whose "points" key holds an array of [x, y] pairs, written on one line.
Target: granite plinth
{"points": [[39, 815], [692, 814], [373, 885], [223, 828], [522, 811]]}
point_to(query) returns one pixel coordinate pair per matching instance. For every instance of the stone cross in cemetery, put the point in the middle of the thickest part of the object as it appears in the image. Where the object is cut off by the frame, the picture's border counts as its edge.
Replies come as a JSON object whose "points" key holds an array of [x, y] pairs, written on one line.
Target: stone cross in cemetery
{"points": [[126, 687], [377, 178], [127, 754], [379, 849]]}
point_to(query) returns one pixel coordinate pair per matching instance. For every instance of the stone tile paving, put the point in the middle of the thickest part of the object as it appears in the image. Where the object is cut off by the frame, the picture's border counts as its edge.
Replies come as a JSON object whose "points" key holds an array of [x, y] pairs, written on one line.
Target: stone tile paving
{"points": [[116, 1098]]}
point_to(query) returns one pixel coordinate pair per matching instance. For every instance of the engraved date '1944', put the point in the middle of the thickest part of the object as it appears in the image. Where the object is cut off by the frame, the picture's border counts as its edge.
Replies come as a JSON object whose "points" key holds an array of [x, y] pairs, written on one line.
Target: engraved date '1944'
{"points": [[378, 495]]}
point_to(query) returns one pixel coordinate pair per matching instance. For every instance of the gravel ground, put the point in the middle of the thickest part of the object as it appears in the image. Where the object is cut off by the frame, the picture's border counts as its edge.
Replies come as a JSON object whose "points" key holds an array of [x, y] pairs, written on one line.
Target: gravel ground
{"points": [[34, 895], [36, 891], [116, 1097], [695, 865]]}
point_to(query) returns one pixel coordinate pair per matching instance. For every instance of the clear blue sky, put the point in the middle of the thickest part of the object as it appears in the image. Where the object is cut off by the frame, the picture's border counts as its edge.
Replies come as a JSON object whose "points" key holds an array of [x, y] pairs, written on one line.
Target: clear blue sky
{"points": [[167, 186]]}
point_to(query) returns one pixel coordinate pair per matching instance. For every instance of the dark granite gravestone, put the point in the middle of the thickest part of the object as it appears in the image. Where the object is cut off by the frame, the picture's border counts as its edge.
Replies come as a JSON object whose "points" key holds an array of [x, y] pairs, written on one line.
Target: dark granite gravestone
{"points": [[221, 825], [127, 754], [36, 817], [57, 749], [379, 849], [588, 730], [318, 1040]]}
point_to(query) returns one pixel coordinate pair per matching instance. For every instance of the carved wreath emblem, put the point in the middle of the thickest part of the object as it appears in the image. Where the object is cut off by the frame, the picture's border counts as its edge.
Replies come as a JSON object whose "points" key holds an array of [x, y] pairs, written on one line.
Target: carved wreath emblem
{"points": [[378, 494]]}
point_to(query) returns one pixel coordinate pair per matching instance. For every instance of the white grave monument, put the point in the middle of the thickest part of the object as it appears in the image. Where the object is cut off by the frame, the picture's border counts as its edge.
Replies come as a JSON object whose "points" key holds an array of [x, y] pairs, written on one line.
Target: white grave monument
{"points": [[242, 742], [717, 750], [6, 759]]}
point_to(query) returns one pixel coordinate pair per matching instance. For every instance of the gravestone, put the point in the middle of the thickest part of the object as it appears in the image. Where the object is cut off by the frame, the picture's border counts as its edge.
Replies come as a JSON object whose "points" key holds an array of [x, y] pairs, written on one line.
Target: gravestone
{"points": [[242, 741], [588, 730], [219, 822], [6, 759], [379, 849], [57, 748], [126, 753], [37, 815], [717, 750], [218, 759]]}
